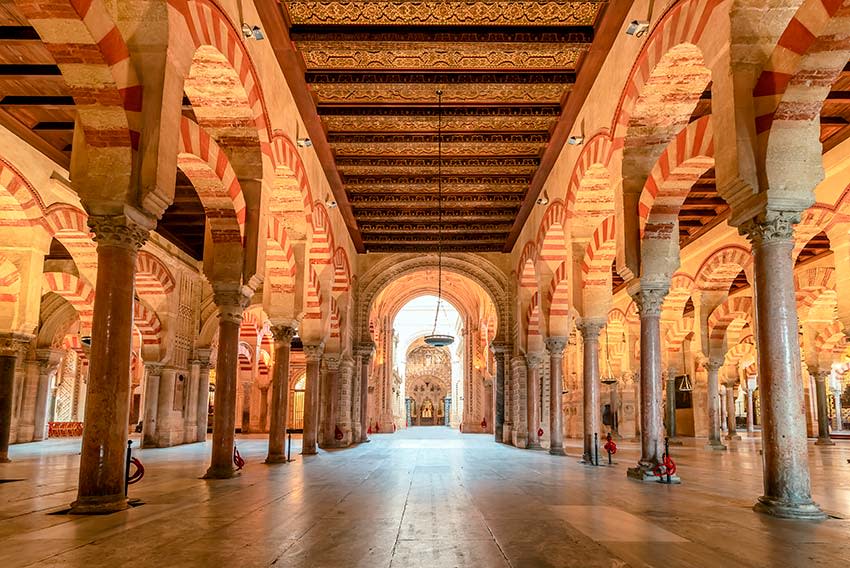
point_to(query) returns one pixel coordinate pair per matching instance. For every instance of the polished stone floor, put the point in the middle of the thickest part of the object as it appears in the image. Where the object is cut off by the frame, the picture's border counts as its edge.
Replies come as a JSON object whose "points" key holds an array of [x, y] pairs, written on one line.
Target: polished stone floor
{"points": [[426, 497]]}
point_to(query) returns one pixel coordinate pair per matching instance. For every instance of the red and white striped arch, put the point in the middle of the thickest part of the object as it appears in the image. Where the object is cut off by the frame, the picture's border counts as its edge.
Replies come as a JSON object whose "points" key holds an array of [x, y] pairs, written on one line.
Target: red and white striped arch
{"points": [[20, 204], [342, 272], [152, 276], [681, 288], [288, 165], [813, 220], [677, 331], [209, 25], [333, 319], [600, 253], [322, 242], [532, 317], [735, 308], [148, 324], [551, 236], [314, 298], [95, 62], [10, 281], [590, 173], [77, 292], [558, 300], [830, 338], [722, 266], [213, 178], [688, 156], [280, 260], [810, 286], [526, 267]]}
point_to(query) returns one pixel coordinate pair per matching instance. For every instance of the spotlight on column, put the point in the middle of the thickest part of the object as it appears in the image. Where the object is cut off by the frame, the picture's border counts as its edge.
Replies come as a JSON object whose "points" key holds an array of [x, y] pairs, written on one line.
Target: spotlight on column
{"points": [[543, 199], [252, 32], [637, 28], [86, 340], [331, 204], [303, 142], [575, 140]]}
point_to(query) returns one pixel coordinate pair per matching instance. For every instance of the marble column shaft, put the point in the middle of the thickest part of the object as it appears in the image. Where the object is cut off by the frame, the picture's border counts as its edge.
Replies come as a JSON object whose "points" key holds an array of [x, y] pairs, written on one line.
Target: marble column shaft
{"points": [[839, 422], [714, 414], [556, 346], [731, 420], [649, 301], [104, 446], [750, 411], [823, 409], [202, 415], [11, 347], [283, 335], [231, 302], [365, 352], [330, 392], [48, 365], [590, 329], [499, 392], [533, 361], [310, 438], [153, 372], [787, 485], [343, 407]]}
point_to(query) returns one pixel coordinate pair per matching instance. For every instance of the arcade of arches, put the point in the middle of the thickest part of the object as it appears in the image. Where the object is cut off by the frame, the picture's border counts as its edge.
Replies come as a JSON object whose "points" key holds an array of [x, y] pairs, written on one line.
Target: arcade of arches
{"points": [[220, 219]]}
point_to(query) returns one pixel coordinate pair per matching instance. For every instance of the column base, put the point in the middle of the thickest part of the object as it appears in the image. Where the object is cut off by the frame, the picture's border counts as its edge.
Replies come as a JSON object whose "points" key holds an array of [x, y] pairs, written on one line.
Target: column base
{"points": [[644, 473], [717, 446], [309, 452], [557, 451], [733, 437], [533, 446], [220, 473], [4, 459], [276, 458], [364, 440], [675, 442], [824, 442], [784, 510], [99, 505]]}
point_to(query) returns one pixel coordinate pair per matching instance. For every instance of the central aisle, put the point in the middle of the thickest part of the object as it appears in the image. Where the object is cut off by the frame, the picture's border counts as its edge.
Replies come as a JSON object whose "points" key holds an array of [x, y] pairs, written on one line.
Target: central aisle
{"points": [[427, 496]]}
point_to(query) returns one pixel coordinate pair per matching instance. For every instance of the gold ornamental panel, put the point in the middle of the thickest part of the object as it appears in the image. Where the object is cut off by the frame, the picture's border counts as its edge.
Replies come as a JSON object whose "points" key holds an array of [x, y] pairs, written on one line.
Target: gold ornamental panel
{"points": [[471, 169], [321, 55], [401, 93], [372, 123], [430, 148], [416, 188], [443, 12]]}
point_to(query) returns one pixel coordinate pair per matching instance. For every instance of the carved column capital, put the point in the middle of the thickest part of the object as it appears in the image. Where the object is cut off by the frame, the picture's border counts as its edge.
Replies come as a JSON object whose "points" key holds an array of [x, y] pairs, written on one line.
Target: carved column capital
{"points": [[119, 231], [313, 352], [14, 344], [331, 362], [590, 328], [283, 333], [771, 227], [556, 345], [231, 301], [499, 348], [650, 299], [48, 360], [713, 365], [534, 359], [365, 350], [346, 365]]}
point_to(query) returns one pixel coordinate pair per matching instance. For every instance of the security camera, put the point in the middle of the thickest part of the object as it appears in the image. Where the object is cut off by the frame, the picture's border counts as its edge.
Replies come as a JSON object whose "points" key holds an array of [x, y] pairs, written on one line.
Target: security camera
{"points": [[304, 142], [542, 200], [575, 140], [252, 32], [331, 203], [637, 28]]}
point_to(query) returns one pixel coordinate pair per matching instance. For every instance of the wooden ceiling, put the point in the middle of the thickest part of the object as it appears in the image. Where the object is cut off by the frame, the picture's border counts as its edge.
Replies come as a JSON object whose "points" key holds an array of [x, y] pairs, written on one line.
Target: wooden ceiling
{"points": [[505, 70]]}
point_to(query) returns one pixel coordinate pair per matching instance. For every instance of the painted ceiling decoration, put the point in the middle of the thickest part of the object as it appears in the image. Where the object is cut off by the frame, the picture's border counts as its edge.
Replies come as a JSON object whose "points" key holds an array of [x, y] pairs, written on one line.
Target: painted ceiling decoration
{"points": [[505, 68]]}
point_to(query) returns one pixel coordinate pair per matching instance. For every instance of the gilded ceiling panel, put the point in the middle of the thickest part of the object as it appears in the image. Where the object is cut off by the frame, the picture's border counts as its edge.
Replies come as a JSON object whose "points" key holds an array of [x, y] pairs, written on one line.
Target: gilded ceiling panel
{"points": [[472, 123], [428, 55], [430, 148], [448, 187], [399, 93], [440, 12]]}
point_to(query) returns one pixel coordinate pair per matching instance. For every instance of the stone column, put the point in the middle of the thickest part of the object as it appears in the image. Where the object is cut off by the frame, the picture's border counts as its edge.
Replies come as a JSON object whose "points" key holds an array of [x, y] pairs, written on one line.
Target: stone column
{"points": [[787, 486], [310, 438], [590, 329], [365, 352], [165, 407], [823, 409], [283, 335], [330, 388], [713, 367], [153, 371], [731, 426], [231, 301], [247, 391], [12, 346], [343, 412], [556, 346], [615, 410], [751, 415], [102, 476], [202, 416], [264, 407], [48, 364], [836, 396], [638, 410], [533, 361], [649, 301], [499, 350]]}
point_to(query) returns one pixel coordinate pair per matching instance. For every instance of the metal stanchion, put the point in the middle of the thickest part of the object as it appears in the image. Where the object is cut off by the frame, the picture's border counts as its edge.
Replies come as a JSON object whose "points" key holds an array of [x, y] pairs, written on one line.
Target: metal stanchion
{"points": [[129, 457]]}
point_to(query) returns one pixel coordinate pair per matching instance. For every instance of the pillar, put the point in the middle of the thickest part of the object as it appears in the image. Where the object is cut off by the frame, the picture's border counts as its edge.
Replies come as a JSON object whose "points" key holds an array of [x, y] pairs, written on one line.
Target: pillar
{"points": [[12, 346], [499, 350], [836, 396], [787, 485], [283, 335], [714, 414], [649, 300], [751, 416], [231, 301], [310, 438], [590, 329], [149, 421], [823, 409], [365, 352], [247, 390], [104, 446], [615, 409], [203, 401], [165, 407], [330, 388], [343, 412], [533, 362], [48, 364], [731, 426], [556, 346]]}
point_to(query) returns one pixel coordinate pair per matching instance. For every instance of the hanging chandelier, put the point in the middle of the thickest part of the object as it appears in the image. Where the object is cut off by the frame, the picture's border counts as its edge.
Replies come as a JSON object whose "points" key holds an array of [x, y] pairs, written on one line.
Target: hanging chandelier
{"points": [[608, 377], [435, 339]]}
